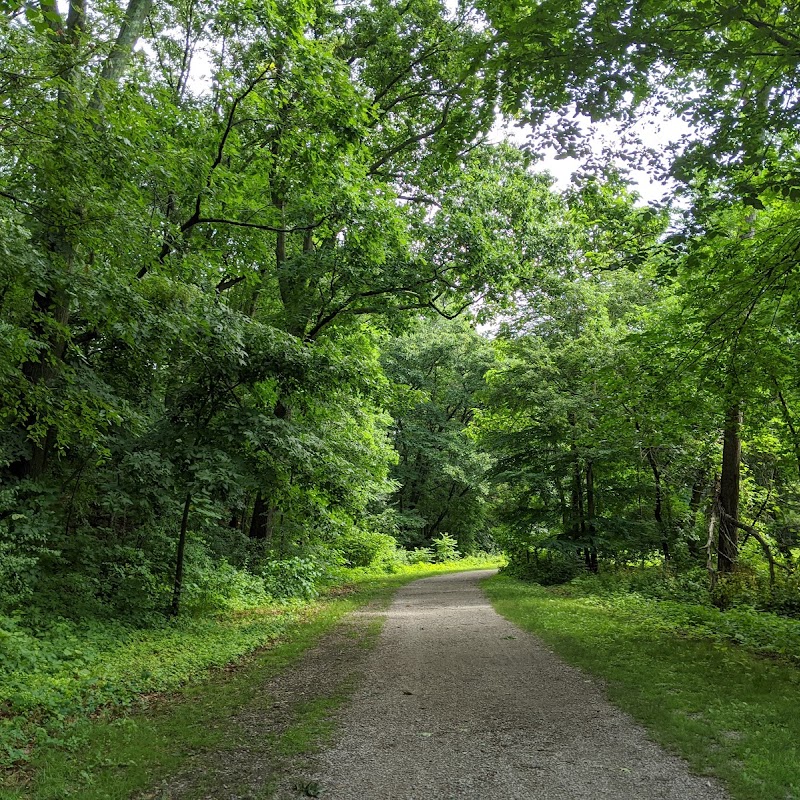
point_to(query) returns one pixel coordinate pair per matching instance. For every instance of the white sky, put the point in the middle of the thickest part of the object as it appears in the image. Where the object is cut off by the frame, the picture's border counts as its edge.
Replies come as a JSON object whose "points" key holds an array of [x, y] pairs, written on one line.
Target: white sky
{"points": [[655, 133]]}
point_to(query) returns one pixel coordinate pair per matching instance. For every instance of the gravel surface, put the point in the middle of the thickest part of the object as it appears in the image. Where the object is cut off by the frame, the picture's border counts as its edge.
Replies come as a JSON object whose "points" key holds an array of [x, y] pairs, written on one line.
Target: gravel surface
{"points": [[459, 703]]}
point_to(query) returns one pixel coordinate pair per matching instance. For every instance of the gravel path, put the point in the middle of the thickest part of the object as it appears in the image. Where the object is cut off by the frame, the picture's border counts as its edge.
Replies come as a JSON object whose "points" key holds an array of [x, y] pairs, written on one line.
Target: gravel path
{"points": [[459, 703]]}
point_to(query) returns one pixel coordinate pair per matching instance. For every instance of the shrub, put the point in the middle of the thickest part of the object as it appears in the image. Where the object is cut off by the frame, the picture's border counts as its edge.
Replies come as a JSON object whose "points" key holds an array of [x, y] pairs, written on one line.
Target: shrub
{"points": [[689, 586], [784, 597], [549, 570], [223, 586], [737, 589], [292, 578], [445, 548], [367, 549], [751, 587], [420, 555]]}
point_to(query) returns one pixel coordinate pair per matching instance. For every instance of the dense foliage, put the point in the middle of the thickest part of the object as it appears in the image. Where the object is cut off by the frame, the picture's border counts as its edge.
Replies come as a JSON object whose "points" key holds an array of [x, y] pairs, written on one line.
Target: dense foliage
{"points": [[200, 271]]}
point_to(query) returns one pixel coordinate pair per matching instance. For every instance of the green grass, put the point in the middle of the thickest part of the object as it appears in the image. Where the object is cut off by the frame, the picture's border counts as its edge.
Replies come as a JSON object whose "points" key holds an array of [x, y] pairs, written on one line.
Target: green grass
{"points": [[114, 756], [731, 713], [131, 745]]}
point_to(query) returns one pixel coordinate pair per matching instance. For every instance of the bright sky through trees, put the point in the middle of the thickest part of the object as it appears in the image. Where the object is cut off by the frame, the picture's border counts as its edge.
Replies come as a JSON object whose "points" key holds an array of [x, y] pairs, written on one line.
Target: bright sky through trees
{"points": [[656, 133]]}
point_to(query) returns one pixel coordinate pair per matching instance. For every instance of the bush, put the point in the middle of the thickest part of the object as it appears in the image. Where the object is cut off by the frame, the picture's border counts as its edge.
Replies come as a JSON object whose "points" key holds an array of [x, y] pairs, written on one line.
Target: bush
{"points": [[445, 548], [368, 549], [749, 587], [292, 578], [420, 555], [222, 586], [784, 597], [689, 586], [737, 589], [552, 569], [25, 529]]}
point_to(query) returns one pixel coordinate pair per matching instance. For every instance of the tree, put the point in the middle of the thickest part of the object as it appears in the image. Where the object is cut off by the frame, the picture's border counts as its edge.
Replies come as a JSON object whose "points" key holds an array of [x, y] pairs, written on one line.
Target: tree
{"points": [[437, 372]]}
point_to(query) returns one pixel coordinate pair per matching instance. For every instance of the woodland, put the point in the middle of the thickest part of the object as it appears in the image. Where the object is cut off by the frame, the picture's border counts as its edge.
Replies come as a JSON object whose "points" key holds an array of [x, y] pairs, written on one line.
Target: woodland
{"points": [[277, 301]]}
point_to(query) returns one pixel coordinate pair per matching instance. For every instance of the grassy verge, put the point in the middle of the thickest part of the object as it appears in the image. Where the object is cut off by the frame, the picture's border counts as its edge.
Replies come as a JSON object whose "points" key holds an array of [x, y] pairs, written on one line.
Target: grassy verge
{"points": [[728, 711], [170, 693]]}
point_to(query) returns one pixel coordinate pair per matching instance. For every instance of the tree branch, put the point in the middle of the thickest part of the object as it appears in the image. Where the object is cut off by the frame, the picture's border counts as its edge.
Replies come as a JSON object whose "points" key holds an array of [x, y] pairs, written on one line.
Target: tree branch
{"points": [[405, 71], [228, 283], [76, 18], [117, 59], [256, 225], [16, 200], [420, 198], [412, 140], [773, 34], [195, 218], [726, 517], [52, 16]]}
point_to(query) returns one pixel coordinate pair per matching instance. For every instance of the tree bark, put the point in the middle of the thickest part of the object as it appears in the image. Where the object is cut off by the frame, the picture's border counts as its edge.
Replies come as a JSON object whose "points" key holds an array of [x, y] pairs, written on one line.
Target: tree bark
{"points": [[177, 586], [591, 511], [577, 517], [787, 418], [698, 492], [758, 537], [562, 502], [727, 542], [117, 60], [262, 523], [578, 522], [651, 460]]}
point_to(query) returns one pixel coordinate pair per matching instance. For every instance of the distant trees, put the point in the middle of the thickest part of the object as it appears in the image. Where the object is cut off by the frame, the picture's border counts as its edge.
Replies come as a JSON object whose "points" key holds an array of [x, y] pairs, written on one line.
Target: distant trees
{"points": [[726, 271], [437, 372], [629, 400]]}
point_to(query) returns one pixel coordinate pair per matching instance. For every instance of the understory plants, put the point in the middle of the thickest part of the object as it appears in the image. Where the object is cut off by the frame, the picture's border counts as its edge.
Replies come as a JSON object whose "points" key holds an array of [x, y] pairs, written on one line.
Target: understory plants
{"points": [[681, 600]]}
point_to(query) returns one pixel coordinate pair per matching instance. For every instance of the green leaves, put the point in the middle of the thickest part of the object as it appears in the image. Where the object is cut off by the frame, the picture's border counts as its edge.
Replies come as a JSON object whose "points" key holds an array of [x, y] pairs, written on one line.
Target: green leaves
{"points": [[437, 373]]}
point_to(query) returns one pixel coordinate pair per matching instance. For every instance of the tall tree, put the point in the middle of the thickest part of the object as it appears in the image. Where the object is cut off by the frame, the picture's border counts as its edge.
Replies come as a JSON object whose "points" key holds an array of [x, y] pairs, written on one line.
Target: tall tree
{"points": [[437, 371]]}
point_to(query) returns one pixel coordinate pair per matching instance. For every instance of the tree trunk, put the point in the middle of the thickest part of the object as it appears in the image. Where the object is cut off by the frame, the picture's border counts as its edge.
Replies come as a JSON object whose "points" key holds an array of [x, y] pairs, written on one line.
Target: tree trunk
{"points": [[562, 502], [698, 491], [48, 307], [431, 529], [262, 523], [651, 460], [178, 584], [578, 521], [727, 542], [266, 513], [695, 501], [591, 510], [787, 418]]}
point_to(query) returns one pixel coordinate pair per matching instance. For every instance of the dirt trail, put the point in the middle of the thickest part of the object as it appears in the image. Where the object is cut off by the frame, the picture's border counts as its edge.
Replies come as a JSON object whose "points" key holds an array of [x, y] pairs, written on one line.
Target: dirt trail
{"points": [[458, 703]]}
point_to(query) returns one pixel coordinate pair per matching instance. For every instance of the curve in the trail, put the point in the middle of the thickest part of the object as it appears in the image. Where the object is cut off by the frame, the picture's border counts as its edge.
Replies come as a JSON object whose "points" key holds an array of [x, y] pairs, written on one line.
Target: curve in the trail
{"points": [[459, 703]]}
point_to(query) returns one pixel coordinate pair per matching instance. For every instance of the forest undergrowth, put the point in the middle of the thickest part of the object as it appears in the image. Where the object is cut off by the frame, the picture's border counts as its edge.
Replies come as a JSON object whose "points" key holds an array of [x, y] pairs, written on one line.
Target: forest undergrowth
{"points": [[742, 610]]}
